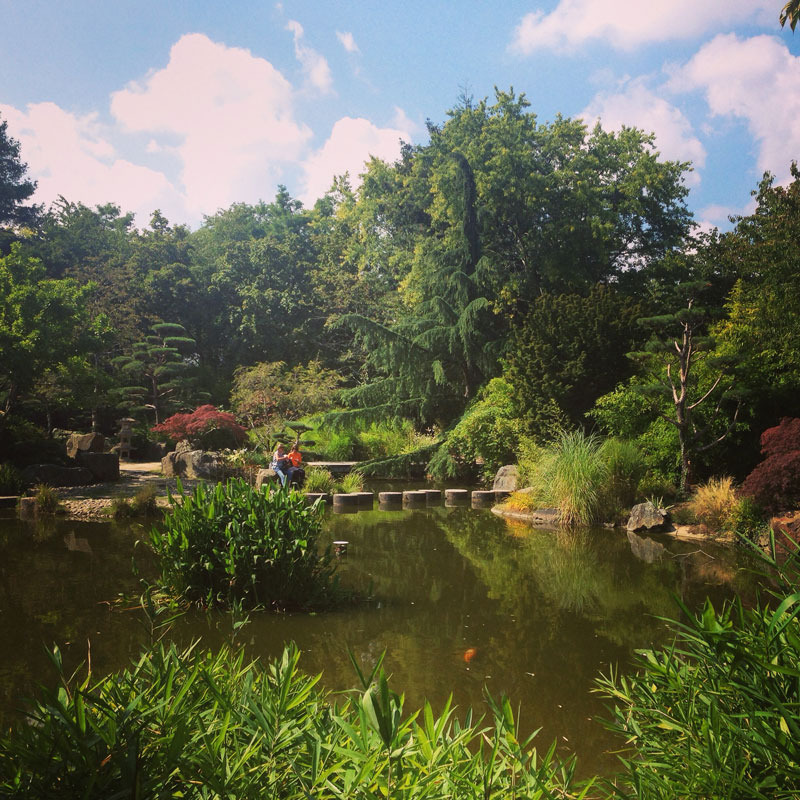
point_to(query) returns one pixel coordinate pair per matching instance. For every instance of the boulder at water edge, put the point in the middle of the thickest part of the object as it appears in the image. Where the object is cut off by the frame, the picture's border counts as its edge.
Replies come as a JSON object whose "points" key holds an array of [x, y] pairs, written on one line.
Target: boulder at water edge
{"points": [[506, 479], [646, 516], [194, 465]]}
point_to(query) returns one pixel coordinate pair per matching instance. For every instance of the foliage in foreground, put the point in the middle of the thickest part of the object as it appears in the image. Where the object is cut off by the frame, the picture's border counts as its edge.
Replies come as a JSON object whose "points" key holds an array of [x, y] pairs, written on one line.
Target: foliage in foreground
{"points": [[194, 724], [717, 714], [231, 545]]}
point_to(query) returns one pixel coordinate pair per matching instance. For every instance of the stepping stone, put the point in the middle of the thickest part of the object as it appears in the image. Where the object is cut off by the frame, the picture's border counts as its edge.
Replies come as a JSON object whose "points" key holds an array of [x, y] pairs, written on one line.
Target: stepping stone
{"points": [[390, 498], [312, 497], [415, 499], [365, 499], [501, 494], [483, 497], [434, 496], [348, 501], [456, 497]]}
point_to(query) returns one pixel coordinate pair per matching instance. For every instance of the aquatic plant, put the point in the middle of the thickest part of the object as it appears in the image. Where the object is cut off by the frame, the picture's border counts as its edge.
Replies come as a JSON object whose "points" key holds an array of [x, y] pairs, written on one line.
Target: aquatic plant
{"points": [[232, 545], [142, 504], [192, 723]]}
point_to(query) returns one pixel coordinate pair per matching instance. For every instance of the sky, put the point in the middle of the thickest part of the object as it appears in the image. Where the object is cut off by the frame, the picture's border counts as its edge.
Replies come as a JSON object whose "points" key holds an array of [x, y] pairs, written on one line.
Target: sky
{"points": [[188, 107]]}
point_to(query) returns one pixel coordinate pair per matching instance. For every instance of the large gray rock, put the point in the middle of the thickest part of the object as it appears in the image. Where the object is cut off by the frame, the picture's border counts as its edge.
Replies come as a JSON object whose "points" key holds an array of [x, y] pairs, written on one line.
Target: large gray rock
{"points": [[646, 516], [194, 465], [85, 443], [53, 475], [507, 479], [103, 466]]}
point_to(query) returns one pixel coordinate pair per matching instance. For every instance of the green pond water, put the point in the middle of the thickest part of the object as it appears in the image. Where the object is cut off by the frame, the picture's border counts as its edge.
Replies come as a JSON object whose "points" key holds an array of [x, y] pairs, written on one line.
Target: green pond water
{"points": [[462, 600]]}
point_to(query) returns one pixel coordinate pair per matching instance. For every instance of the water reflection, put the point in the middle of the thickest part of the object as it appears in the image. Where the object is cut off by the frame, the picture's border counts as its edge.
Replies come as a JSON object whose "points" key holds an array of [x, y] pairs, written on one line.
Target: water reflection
{"points": [[539, 612]]}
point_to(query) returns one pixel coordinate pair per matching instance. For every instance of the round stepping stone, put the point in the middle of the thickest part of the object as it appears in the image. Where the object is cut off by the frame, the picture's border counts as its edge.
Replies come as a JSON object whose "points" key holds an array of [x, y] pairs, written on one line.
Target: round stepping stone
{"points": [[434, 496], [350, 501], [456, 497], [312, 497], [483, 497], [390, 498], [415, 499], [365, 499]]}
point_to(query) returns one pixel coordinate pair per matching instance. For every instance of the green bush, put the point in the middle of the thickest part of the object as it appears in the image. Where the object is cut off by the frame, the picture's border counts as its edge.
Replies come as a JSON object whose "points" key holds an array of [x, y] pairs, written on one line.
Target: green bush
{"points": [[142, 504], [318, 480], [231, 545], [11, 482], [626, 468], [193, 724], [340, 446], [716, 714], [747, 519], [352, 482]]}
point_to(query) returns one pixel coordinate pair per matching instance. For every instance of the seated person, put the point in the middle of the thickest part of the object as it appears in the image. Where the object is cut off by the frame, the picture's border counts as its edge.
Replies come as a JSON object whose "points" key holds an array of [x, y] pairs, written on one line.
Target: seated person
{"points": [[296, 474], [280, 463]]}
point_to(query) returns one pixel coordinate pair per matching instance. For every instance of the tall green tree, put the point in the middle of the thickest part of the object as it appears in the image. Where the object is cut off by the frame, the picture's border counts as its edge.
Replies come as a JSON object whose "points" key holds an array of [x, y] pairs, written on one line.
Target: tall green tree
{"points": [[15, 190]]}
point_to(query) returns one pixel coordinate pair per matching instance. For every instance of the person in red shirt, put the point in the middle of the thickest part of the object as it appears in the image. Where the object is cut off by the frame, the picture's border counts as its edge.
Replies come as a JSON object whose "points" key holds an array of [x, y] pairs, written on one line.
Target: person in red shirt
{"points": [[295, 474]]}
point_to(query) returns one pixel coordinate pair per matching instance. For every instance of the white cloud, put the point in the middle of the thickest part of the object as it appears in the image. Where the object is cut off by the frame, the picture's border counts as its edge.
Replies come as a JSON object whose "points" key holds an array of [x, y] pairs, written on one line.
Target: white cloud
{"points": [[315, 66], [636, 105], [347, 41], [231, 113], [71, 155], [756, 80], [351, 143], [627, 24]]}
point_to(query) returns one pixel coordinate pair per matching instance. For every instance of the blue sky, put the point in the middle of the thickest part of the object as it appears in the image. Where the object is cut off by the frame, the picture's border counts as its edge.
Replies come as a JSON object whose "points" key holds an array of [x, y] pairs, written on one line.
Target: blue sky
{"points": [[190, 106]]}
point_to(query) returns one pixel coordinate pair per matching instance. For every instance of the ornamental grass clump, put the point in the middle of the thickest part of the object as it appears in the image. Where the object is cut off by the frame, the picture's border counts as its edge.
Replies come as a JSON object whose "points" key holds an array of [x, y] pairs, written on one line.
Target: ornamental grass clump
{"points": [[713, 502], [232, 545], [197, 724]]}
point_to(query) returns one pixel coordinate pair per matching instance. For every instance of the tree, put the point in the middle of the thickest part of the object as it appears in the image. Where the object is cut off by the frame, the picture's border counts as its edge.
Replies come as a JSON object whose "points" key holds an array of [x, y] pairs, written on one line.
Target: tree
{"points": [[15, 188], [790, 13], [39, 323], [163, 371], [567, 351], [673, 358]]}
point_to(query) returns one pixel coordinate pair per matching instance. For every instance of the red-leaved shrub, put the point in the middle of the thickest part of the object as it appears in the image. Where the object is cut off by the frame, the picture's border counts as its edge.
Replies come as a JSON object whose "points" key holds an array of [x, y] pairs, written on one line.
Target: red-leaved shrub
{"points": [[205, 425], [775, 482]]}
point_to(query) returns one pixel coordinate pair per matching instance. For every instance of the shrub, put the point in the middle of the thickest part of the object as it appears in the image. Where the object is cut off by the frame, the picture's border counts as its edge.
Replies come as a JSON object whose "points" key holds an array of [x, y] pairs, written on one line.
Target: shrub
{"points": [[747, 519], [626, 468], [352, 482], [196, 724], [47, 499], [340, 446], [775, 482], [205, 426], [713, 502], [232, 545], [717, 713], [381, 440], [318, 480], [523, 500], [11, 482], [142, 504]]}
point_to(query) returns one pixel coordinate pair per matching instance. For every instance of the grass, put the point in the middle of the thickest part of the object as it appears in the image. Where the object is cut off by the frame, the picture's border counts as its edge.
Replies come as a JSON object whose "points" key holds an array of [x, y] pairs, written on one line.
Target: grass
{"points": [[352, 482], [712, 503], [47, 499], [319, 480]]}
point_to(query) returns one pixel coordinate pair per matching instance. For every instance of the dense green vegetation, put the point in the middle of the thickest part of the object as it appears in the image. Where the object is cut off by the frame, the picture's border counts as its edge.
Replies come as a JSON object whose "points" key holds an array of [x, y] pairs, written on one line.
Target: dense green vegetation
{"points": [[232, 546], [481, 292]]}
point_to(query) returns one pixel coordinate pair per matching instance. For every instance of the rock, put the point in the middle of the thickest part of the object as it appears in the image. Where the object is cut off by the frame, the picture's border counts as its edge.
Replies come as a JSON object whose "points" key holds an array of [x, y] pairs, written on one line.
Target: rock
{"points": [[53, 475], [646, 516], [103, 466], [265, 476], [644, 549], [546, 516], [194, 465], [85, 443], [183, 446], [507, 479]]}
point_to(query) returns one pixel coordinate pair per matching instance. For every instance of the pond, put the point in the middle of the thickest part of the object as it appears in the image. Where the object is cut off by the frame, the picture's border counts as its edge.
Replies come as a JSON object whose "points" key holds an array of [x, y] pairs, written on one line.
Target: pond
{"points": [[462, 600]]}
